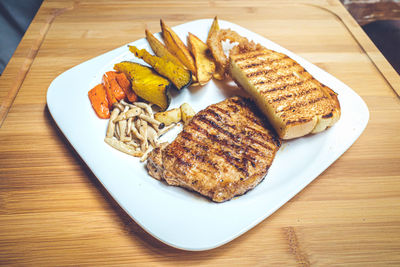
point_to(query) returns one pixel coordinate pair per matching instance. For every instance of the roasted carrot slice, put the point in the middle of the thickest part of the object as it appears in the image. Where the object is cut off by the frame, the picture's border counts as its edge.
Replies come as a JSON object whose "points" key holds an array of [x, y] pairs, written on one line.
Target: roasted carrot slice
{"points": [[110, 91], [109, 80], [110, 96], [98, 99], [125, 84]]}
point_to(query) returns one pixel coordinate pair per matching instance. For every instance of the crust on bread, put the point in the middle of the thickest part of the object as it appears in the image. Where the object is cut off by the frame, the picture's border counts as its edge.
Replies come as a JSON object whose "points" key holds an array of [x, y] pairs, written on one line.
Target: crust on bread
{"points": [[297, 104]]}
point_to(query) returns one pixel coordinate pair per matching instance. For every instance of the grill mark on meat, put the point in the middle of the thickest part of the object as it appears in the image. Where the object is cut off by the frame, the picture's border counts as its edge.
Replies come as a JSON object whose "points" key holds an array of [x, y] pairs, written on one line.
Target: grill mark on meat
{"points": [[254, 119], [203, 118], [241, 164], [198, 157], [214, 114], [231, 160], [235, 138], [223, 111], [225, 142], [227, 155], [263, 136], [187, 136], [204, 159], [233, 108], [183, 162]]}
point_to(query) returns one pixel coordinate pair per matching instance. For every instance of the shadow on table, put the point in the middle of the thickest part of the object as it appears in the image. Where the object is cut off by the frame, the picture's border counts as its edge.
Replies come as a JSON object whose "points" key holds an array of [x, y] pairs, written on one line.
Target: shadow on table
{"points": [[129, 225]]}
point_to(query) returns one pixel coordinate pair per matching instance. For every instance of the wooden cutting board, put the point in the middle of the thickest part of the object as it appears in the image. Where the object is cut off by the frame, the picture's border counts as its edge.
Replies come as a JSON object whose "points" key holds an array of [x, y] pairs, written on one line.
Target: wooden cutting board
{"points": [[53, 210]]}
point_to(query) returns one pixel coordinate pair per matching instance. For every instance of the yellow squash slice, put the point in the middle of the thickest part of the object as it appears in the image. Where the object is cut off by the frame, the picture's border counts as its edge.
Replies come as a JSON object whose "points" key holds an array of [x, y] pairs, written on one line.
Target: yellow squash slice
{"points": [[146, 83]]}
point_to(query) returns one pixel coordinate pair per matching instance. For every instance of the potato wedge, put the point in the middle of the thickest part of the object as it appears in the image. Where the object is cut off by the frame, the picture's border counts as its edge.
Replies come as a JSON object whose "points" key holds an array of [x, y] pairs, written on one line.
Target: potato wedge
{"points": [[205, 65], [219, 72], [177, 47], [160, 50], [179, 76], [187, 112], [214, 27], [146, 83], [169, 117]]}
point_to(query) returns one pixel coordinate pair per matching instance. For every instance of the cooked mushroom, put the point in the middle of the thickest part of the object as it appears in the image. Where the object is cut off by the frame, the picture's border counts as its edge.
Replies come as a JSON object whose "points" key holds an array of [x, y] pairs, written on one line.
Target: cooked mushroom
{"points": [[122, 131], [133, 143], [145, 155], [111, 124], [146, 107], [123, 147], [143, 132], [154, 122], [133, 129], [136, 133], [152, 136], [123, 102], [128, 126], [130, 113], [118, 106]]}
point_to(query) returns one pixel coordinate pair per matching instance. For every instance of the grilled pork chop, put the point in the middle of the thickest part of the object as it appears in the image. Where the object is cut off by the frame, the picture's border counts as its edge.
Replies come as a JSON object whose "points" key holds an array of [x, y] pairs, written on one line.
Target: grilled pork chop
{"points": [[224, 151], [295, 103]]}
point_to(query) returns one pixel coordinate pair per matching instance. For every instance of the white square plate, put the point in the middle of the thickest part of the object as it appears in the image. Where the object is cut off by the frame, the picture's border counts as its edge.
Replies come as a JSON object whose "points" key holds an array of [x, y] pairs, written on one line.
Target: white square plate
{"points": [[175, 216]]}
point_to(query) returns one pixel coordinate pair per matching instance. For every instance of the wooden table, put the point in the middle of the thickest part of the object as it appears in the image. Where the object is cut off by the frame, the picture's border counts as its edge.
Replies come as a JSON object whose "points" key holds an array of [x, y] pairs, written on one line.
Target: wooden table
{"points": [[53, 210]]}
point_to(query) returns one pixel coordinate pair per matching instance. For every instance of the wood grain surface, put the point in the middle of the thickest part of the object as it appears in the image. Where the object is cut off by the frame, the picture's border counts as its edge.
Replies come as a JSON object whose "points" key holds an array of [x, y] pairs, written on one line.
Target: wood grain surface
{"points": [[53, 210]]}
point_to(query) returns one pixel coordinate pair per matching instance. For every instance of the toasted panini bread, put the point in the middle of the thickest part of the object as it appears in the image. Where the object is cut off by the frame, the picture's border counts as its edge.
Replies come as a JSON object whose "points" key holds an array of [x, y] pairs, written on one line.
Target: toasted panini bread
{"points": [[295, 103]]}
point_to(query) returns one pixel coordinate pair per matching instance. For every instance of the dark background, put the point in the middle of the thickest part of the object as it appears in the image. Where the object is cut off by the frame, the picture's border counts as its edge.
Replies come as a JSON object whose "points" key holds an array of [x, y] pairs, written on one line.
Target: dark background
{"points": [[380, 19]]}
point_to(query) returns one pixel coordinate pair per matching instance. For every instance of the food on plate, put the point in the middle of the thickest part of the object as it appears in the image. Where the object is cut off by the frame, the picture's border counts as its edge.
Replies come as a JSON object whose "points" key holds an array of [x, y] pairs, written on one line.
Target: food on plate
{"points": [[178, 75], [124, 83], [294, 102], [98, 99], [114, 91], [205, 65], [187, 112], [214, 27], [214, 42], [115, 86], [184, 113], [146, 83], [219, 72], [133, 130], [109, 92], [123, 147], [224, 151], [177, 47], [169, 117], [160, 50]]}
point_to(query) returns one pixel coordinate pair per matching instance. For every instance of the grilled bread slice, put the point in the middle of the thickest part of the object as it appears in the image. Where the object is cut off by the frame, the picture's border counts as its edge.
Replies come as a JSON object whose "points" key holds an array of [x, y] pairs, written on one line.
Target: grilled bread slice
{"points": [[295, 103]]}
